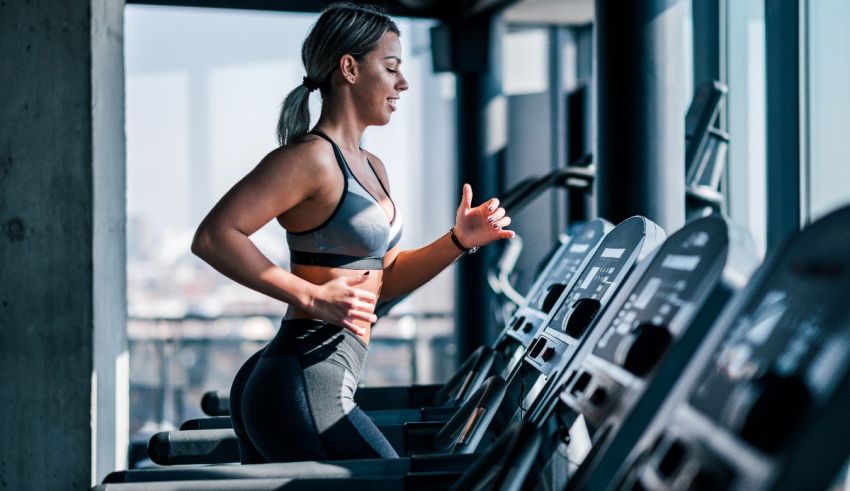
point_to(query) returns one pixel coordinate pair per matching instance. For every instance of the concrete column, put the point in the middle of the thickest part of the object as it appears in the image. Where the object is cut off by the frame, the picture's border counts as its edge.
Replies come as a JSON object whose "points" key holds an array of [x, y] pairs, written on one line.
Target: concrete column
{"points": [[641, 111], [63, 380], [784, 130], [481, 141]]}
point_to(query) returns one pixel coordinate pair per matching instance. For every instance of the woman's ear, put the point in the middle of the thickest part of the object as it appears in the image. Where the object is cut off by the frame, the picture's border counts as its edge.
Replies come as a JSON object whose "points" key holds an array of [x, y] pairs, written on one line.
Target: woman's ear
{"points": [[348, 66]]}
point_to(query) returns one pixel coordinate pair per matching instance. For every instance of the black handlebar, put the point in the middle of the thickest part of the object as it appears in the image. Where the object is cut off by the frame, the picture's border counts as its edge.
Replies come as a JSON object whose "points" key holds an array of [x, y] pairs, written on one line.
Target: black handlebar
{"points": [[467, 378], [463, 432], [512, 455]]}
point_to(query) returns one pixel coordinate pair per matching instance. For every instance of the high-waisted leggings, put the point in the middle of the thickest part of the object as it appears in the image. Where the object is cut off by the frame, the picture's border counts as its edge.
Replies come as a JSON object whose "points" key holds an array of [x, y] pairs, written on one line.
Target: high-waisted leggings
{"points": [[294, 399]]}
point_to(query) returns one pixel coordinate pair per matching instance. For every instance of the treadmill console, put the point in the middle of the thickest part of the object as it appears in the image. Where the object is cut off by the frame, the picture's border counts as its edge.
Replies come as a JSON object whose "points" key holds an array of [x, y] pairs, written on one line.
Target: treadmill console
{"points": [[577, 308], [651, 333], [547, 289], [765, 404]]}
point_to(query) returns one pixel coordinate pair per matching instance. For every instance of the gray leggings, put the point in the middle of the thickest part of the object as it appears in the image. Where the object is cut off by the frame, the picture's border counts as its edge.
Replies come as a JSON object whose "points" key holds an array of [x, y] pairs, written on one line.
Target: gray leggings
{"points": [[294, 399]]}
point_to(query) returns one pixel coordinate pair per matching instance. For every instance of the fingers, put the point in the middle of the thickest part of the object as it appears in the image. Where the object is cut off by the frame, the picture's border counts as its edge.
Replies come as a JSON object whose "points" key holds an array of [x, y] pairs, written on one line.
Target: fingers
{"points": [[358, 315], [361, 306], [466, 199], [502, 222], [356, 279], [359, 312], [492, 204], [343, 304], [358, 294], [356, 329], [366, 296], [497, 215]]}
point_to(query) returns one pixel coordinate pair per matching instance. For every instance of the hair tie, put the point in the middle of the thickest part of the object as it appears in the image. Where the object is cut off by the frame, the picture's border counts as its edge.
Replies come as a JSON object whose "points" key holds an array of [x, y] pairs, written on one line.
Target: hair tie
{"points": [[310, 84]]}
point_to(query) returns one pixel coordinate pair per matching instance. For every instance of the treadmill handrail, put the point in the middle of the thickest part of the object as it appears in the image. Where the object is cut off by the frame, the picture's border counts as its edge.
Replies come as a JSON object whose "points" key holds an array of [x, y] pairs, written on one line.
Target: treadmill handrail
{"points": [[463, 432], [468, 376]]}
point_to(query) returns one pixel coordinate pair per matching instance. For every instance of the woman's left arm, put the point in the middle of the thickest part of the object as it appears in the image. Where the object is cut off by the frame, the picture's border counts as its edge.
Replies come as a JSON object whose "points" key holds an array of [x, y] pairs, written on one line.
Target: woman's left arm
{"points": [[406, 271]]}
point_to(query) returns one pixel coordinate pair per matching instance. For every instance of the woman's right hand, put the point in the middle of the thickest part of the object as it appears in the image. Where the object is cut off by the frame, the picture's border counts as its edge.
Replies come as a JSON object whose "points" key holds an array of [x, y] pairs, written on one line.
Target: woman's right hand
{"points": [[340, 303]]}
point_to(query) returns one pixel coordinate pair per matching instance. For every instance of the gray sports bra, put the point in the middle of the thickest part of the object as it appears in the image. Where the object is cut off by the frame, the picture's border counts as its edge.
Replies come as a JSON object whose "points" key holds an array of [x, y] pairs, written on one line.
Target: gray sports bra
{"points": [[358, 233]]}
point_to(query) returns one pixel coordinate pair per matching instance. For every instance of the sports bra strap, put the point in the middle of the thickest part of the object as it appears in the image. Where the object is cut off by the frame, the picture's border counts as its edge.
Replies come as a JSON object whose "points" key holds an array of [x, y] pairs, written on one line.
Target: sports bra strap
{"points": [[344, 163], [340, 158]]}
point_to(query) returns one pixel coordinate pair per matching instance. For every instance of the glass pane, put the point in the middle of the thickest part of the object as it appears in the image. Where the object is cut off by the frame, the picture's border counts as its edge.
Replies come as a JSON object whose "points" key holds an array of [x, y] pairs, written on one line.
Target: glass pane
{"points": [[746, 102], [829, 106], [524, 62], [688, 53]]}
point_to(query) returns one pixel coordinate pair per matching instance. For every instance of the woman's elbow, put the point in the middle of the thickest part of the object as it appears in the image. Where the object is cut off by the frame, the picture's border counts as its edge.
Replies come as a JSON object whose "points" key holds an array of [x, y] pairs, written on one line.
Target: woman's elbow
{"points": [[202, 242]]}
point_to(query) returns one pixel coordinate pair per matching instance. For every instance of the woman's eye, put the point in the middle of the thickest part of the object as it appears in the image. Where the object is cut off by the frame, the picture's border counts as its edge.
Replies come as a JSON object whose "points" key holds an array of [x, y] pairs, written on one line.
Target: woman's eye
{"points": [[391, 70]]}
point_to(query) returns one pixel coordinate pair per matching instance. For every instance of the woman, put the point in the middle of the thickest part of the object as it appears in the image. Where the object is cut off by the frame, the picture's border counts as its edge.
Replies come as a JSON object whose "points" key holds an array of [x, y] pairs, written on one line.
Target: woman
{"points": [[293, 400]]}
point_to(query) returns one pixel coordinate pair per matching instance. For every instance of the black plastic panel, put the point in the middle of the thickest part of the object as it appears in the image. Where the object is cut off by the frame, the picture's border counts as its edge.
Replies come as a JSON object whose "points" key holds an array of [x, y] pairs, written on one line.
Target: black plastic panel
{"points": [[765, 403], [651, 334]]}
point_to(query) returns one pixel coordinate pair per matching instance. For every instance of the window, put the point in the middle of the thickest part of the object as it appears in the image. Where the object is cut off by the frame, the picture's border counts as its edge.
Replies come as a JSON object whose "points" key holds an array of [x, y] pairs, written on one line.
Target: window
{"points": [[524, 61], [828, 101], [747, 180]]}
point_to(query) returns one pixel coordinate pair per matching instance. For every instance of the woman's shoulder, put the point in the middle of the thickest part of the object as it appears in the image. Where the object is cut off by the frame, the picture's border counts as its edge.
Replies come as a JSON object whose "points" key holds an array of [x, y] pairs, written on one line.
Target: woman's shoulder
{"points": [[308, 154]]}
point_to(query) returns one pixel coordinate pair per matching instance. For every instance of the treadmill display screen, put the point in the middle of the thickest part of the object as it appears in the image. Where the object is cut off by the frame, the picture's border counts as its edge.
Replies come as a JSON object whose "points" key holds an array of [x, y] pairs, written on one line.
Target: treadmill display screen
{"points": [[579, 248], [606, 268], [613, 253], [680, 262], [590, 277]]}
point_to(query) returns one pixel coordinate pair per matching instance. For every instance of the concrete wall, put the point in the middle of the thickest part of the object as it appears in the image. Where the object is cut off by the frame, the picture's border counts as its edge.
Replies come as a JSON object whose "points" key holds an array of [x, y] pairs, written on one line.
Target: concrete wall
{"points": [[62, 242], [529, 155]]}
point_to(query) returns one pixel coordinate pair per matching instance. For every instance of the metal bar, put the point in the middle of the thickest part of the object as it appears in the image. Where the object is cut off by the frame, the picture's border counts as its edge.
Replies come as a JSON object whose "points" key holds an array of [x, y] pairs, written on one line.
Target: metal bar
{"points": [[706, 38], [558, 122]]}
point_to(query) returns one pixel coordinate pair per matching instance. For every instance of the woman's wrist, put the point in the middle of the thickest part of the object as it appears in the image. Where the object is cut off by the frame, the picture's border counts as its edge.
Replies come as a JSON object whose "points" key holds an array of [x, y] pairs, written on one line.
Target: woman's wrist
{"points": [[459, 243], [305, 297]]}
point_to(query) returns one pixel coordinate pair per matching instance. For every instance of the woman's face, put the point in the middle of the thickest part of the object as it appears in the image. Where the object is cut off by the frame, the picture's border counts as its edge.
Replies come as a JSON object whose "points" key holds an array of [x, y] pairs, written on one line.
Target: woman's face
{"points": [[379, 81]]}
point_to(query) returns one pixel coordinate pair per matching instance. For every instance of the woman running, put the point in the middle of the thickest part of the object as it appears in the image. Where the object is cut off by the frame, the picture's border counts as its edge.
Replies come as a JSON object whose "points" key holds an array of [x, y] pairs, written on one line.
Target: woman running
{"points": [[293, 400]]}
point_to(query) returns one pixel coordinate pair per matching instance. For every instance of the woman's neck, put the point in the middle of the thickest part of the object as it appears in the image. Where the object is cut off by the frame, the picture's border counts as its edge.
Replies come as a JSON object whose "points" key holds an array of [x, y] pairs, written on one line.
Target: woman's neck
{"points": [[342, 126]]}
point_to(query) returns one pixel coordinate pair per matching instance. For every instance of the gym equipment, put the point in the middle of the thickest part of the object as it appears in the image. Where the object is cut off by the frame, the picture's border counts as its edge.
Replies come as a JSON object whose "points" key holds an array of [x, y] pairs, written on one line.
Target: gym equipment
{"points": [[765, 402], [501, 468], [569, 260], [570, 322], [623, 373], [706, 147]]}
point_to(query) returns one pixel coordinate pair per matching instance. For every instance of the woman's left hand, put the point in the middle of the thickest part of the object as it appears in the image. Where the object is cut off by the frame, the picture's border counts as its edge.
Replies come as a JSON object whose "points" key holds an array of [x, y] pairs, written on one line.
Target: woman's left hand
{"points": [[476, 227]]}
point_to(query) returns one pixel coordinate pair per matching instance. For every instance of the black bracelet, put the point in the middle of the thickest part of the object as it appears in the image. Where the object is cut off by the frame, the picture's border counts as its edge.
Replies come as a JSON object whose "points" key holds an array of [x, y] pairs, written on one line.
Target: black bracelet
{"points": [[459, 245]]}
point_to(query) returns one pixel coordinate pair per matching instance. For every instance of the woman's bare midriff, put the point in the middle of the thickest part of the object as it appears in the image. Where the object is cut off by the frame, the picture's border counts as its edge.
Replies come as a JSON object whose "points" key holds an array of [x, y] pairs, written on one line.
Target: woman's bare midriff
{"points": [[319, 275]]}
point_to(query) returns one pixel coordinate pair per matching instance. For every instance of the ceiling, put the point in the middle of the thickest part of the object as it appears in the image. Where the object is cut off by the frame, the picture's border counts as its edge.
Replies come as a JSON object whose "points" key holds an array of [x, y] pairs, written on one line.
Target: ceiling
{"points": [[548, 12], [560, 12]]}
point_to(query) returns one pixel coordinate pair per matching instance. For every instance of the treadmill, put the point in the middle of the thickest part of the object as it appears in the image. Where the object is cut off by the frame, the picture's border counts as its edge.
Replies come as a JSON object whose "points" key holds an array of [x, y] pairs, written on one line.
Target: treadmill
{"points": [[765, 402], [621, 376]]}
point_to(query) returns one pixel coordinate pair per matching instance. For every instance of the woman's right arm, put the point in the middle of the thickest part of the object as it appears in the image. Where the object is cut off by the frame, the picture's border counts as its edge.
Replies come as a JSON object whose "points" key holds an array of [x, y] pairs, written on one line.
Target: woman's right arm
{"points": [[283, 179]]}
